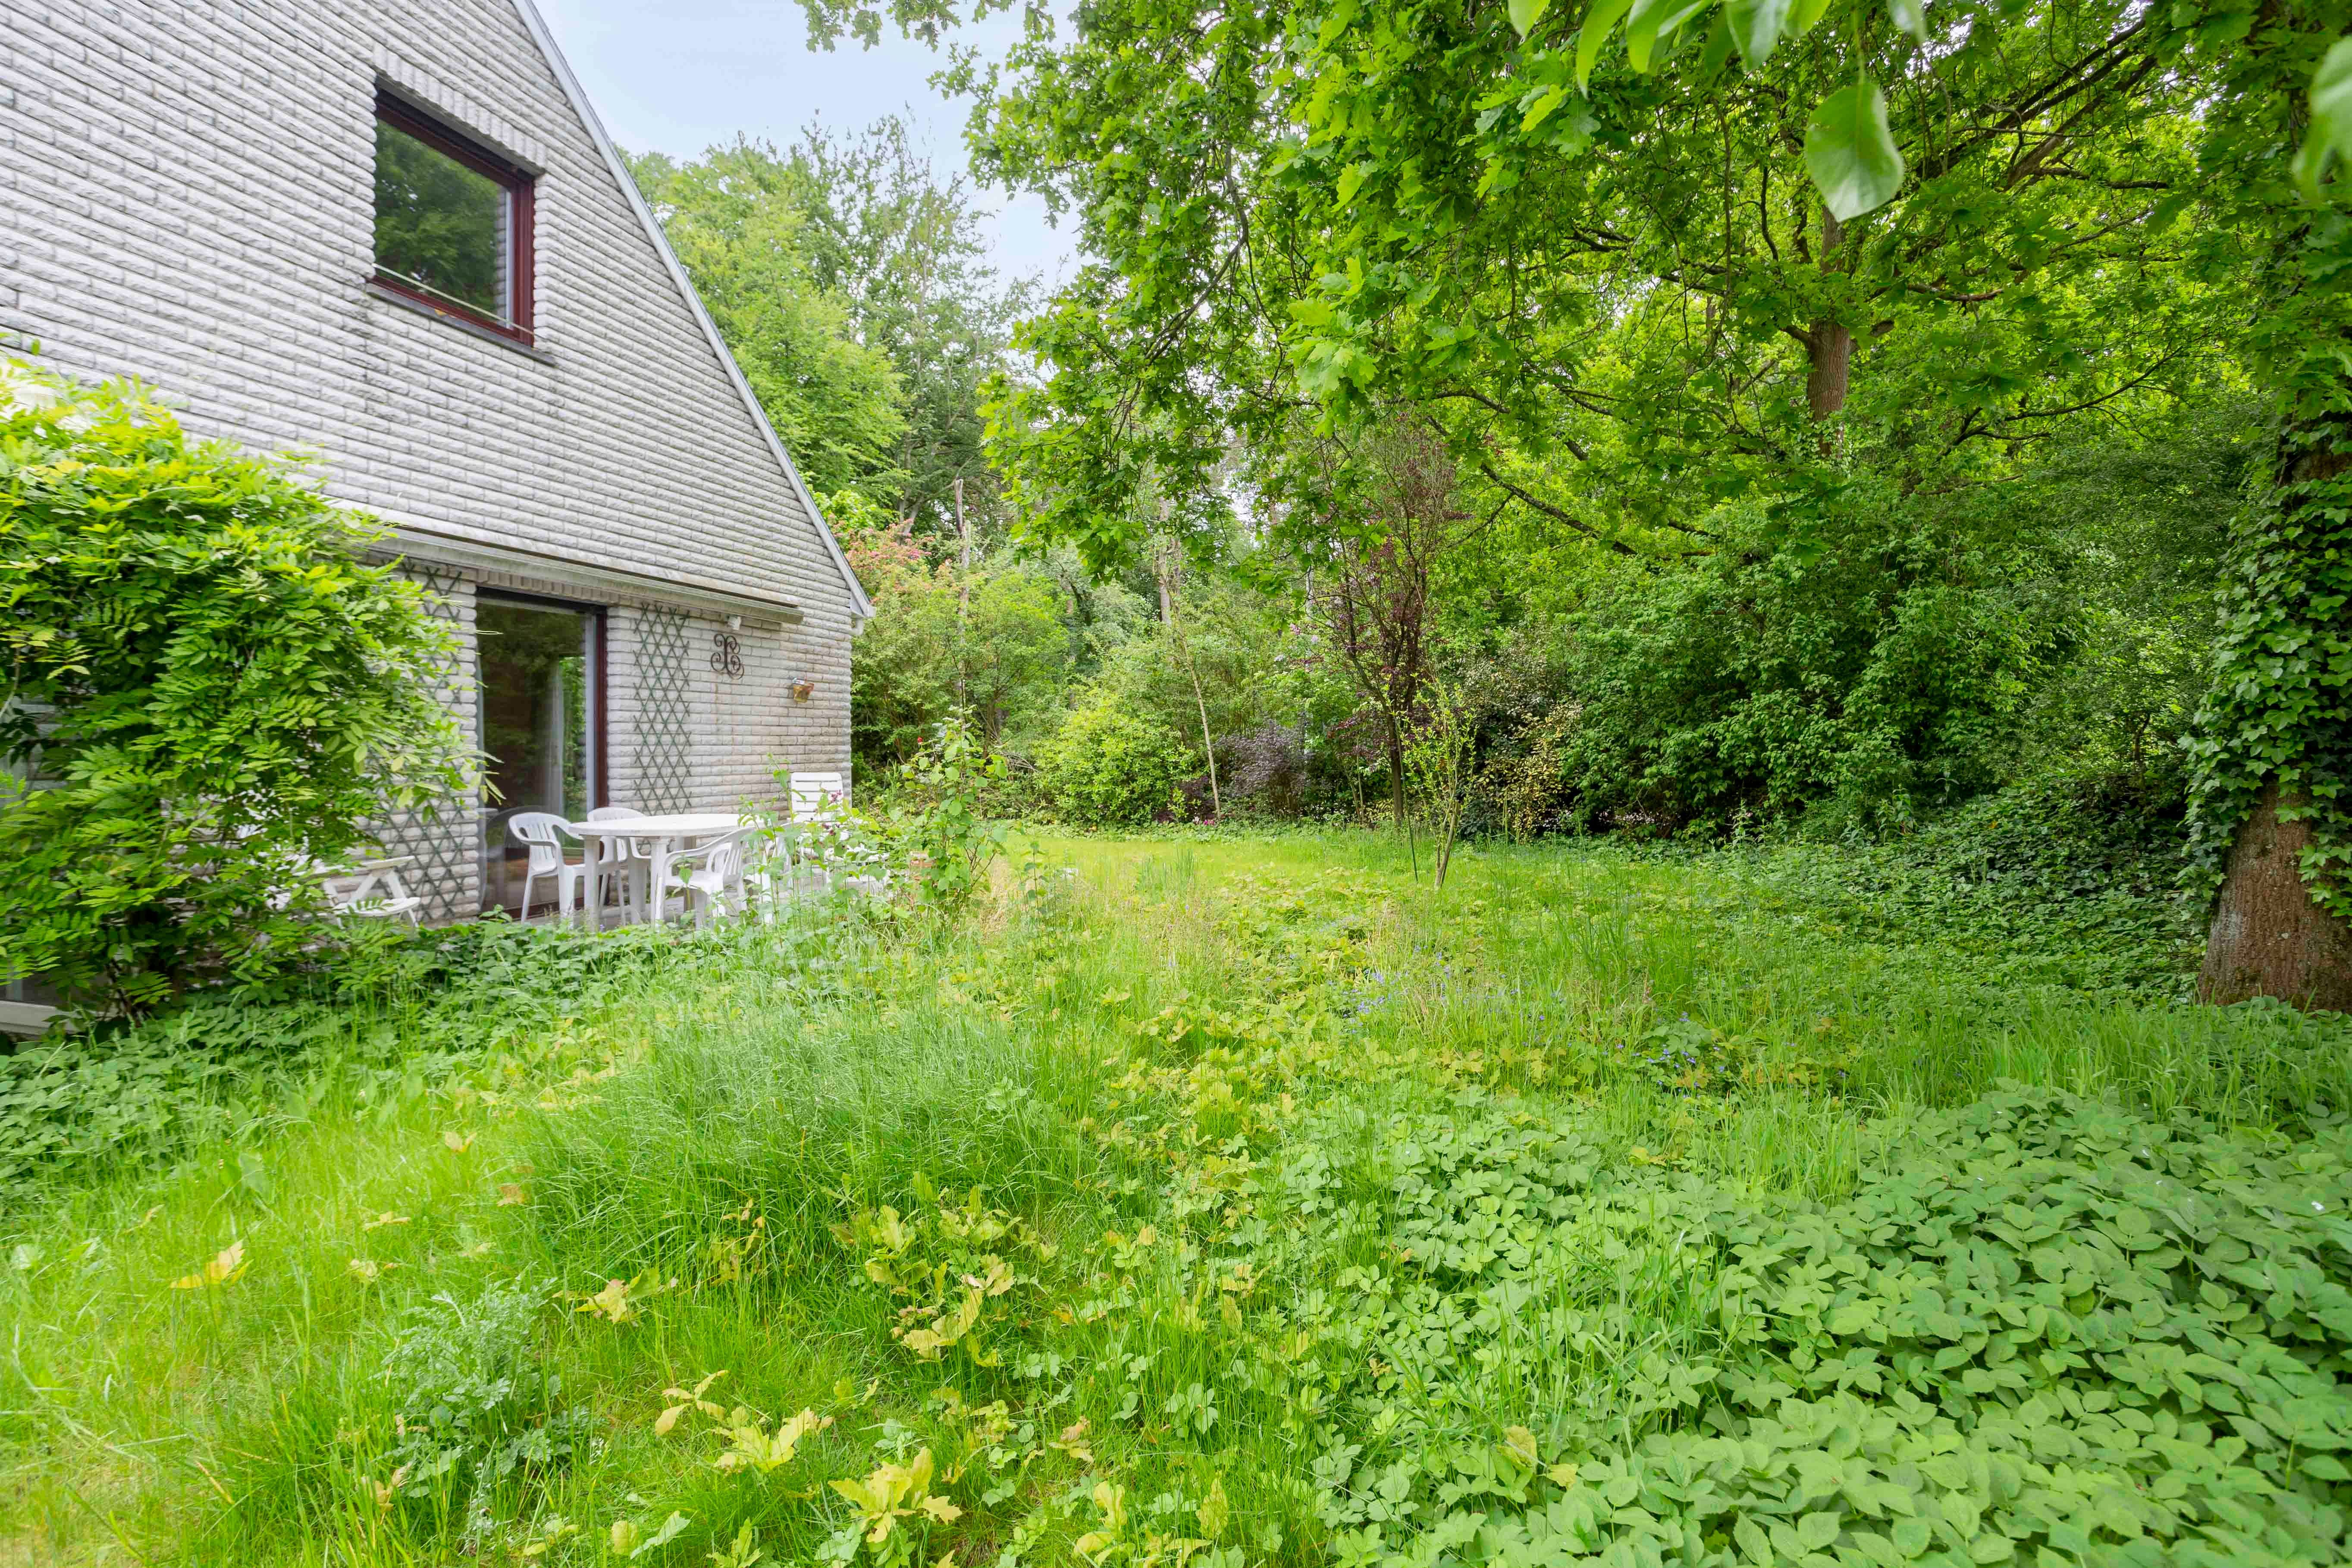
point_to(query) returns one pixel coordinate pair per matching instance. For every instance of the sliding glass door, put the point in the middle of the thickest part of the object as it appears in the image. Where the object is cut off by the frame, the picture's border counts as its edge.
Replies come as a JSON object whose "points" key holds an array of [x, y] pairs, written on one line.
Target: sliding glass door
{"points": [[542, 700]]}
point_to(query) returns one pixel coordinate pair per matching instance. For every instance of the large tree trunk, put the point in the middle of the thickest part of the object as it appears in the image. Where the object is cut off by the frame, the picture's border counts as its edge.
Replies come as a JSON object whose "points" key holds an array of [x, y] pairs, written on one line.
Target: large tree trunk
{"points": [[2288, 650], [2268, 938], [1829, 347], [1829, 350]]}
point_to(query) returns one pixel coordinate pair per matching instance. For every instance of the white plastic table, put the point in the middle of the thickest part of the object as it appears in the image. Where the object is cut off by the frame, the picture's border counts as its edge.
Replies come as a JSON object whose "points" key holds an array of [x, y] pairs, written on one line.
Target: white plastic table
{"points": [[671, 835]]}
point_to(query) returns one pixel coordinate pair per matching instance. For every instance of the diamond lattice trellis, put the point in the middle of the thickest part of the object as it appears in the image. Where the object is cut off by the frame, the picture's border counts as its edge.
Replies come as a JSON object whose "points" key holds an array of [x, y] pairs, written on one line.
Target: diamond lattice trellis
{"points": [[665, 743], [447, 839]]}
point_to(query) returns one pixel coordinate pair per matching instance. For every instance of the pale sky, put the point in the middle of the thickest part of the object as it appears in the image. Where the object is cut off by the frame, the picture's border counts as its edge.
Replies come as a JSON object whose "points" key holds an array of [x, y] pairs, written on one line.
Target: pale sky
{"points": [[676, 76]]}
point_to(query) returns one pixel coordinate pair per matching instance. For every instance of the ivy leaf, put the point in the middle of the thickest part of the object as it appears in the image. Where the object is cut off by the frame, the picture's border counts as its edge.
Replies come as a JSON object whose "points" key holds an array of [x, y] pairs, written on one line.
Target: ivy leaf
{"points": [[2331, 118], [1756, 27], [1911, 16], [1526, 14], [1850, 153], [1599, 22]]}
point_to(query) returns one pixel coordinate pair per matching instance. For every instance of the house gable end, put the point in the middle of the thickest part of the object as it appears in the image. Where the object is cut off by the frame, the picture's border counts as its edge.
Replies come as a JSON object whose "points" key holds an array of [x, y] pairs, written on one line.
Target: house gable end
{"points": [[862, 608]]}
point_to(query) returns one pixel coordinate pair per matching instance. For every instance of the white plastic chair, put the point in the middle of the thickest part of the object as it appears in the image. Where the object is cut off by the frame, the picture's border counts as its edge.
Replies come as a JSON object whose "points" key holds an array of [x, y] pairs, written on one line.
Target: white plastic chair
{"points": [[542, 831], [710, 878], [372, 889], [816, 796], [614, 856]]}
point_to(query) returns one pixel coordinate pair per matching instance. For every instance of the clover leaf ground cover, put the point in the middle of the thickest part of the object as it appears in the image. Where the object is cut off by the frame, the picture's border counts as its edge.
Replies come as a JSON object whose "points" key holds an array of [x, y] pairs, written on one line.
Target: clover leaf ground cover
{"points": [[1231, 1204]]}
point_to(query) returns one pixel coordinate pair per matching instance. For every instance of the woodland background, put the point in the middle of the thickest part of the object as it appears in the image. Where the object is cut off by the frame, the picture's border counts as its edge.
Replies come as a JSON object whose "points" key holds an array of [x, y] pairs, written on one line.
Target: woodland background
{"points": [[1986, 636]]}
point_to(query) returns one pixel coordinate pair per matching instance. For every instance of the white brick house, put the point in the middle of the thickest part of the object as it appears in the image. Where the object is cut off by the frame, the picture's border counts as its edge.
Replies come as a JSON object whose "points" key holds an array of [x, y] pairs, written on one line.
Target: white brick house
{"points": [[190, 194]]}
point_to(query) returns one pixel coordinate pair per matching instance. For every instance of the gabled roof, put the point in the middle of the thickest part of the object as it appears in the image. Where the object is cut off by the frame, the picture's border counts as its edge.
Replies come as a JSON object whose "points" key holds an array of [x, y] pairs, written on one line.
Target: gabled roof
{"points": [[860, 605]]}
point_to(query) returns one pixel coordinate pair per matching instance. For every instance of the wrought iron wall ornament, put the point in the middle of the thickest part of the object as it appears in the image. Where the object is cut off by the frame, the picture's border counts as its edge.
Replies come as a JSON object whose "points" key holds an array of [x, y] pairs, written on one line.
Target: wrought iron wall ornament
{"points": [[727, 656]]}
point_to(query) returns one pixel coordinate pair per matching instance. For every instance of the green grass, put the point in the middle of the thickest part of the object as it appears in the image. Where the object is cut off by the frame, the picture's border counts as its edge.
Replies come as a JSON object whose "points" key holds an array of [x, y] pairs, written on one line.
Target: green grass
{"points": [[1310, 1188]]}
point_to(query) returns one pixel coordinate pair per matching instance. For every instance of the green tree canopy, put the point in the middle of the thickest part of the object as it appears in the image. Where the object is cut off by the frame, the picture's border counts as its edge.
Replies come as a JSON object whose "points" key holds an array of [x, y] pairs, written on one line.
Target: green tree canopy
{"points": [[738, 220]]}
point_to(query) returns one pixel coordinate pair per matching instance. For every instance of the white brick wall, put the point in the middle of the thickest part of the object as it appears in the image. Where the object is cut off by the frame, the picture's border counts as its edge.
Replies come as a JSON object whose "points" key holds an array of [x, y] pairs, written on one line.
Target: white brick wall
{"points": [[186, 196]]}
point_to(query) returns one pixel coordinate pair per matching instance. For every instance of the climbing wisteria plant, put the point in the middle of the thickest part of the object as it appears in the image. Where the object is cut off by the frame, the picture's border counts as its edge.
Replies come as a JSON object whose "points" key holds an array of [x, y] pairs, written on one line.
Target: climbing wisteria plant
{"points": [[206, 688]]}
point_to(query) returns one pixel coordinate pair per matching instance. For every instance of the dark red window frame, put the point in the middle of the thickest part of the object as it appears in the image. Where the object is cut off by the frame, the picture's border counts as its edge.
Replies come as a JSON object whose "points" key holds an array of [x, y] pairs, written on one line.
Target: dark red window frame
{"points": [[519, 183]]}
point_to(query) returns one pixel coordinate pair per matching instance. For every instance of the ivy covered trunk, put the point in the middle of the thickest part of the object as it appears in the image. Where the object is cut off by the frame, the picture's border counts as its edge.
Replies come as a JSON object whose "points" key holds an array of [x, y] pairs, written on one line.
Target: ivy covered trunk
{"points": [[2275, 748], [2270, 937], [2269, 813]]}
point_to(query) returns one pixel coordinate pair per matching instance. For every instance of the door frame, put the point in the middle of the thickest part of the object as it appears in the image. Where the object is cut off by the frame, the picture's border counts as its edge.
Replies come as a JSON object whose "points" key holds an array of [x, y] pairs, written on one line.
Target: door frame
{"points": [[600, 792]]}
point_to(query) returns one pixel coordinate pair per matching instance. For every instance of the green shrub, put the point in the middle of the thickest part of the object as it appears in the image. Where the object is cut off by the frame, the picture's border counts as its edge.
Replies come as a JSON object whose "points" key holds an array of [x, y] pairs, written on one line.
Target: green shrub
{"points": [[475, 1404], [397, 1011], [2054, 889], [1105, 768], [208, 687], [939, 814]]}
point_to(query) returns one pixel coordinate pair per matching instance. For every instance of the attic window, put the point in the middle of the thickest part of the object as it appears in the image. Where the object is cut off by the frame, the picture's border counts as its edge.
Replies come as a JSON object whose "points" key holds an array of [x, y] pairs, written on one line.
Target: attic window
{"points": [[453, 222]]}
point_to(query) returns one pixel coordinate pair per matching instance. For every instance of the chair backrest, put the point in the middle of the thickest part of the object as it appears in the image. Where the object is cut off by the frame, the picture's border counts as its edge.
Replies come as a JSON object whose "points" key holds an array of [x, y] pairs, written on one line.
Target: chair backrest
{"points": [[813, 793], [539, 830], [611, 851]]}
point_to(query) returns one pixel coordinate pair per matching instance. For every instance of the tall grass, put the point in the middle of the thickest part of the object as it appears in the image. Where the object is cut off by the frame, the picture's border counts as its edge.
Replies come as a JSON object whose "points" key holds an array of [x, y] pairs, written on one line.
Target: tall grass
{"points": [[748, 1100]]}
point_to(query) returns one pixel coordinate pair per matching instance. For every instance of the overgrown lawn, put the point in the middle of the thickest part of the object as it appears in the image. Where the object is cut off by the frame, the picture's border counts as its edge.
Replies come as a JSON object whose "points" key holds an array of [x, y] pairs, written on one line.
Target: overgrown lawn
{"points": [[1234, 1201]]}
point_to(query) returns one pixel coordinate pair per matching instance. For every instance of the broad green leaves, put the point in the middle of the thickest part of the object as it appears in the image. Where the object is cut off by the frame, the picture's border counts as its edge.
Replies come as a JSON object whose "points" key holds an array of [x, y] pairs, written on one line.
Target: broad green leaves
{"points": [[2330, 138], [1850, 149], [229, 692], [1756, 27], [1599, 22], [1654, 22], [1850, 153], [1526, 14]]}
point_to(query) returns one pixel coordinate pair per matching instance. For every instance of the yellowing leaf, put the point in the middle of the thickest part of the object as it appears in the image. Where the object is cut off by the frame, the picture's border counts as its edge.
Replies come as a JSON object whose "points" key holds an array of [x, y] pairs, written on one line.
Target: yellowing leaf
{"points": [[939, 1507], [510, 1195], [225, 1269], [1214, 1510], [1072, 1442], [386, 1218], [1562, 1475], [612, 1303], [458, 1142], [756, 1449]]}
